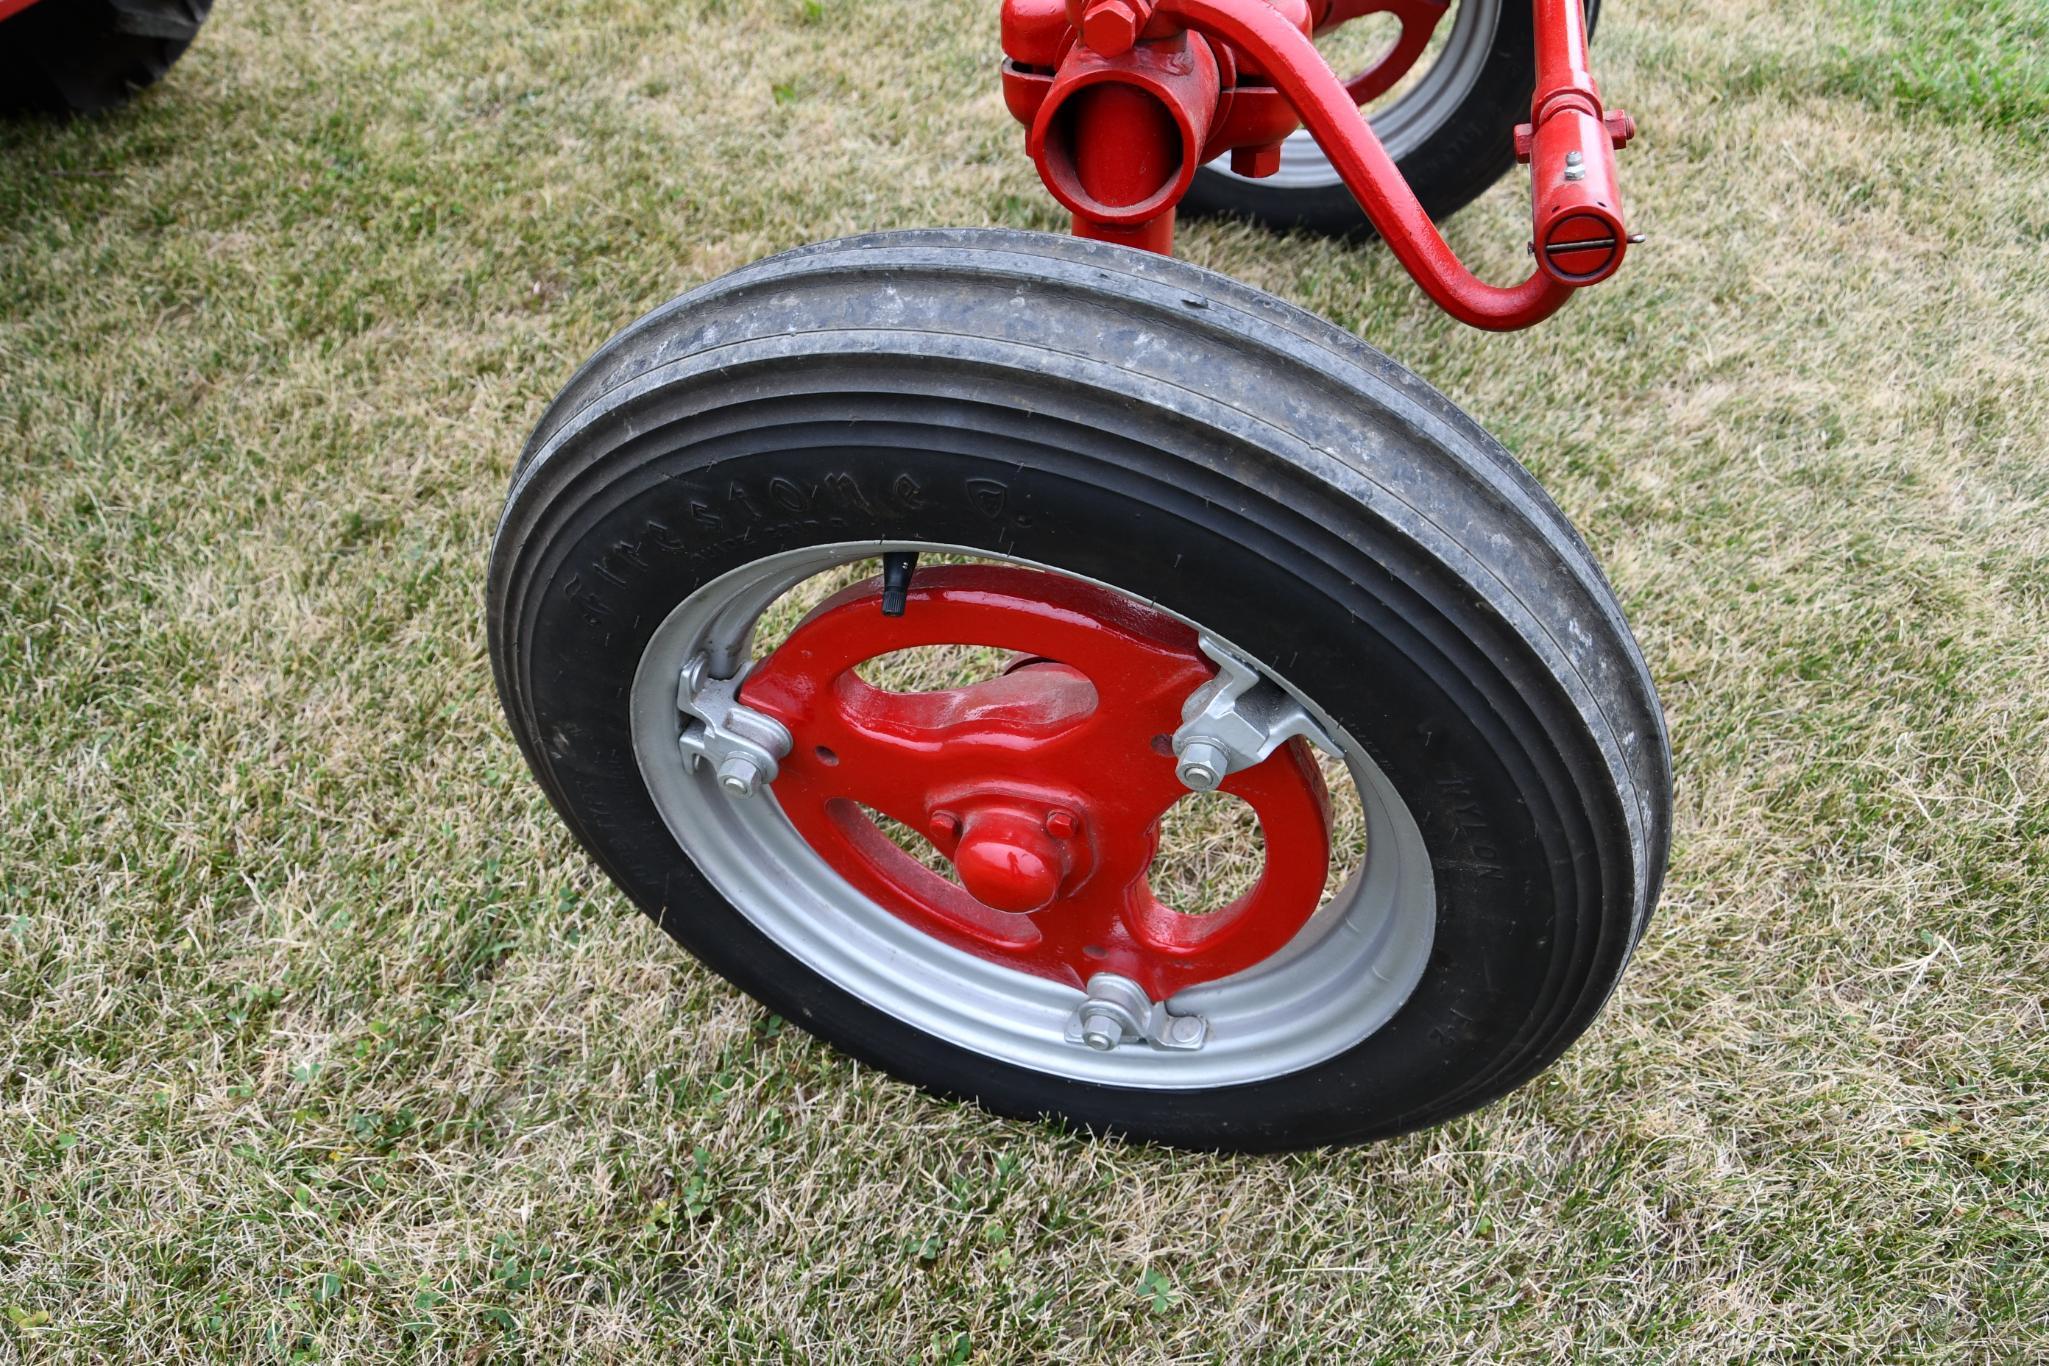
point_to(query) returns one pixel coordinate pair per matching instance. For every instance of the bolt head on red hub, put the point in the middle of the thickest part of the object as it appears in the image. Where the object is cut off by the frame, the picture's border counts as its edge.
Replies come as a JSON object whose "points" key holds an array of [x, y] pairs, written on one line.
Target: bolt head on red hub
{"points": [[1043, 787]]}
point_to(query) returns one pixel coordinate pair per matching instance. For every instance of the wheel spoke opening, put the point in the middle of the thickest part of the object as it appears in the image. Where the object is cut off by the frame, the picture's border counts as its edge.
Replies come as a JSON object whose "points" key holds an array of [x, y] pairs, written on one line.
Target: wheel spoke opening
{"points": [[1211, 852], [1348, 825], [934, 668], [914, 844]]}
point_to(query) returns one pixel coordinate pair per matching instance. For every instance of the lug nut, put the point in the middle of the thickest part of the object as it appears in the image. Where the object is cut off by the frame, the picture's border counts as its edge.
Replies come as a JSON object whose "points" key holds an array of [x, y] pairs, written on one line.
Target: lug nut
{"points": [[739, 775], [1203, 765], [1101, 1030]]}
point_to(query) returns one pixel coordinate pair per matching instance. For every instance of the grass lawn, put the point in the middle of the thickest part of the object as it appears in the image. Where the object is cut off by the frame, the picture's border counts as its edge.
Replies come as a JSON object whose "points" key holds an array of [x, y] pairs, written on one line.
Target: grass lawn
{"points": [[318, 1039]]}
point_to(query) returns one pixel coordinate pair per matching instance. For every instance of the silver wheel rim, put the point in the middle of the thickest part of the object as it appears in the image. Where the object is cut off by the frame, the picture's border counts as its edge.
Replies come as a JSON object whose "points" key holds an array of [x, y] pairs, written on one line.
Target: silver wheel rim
{"points": [[1341, 978], [1413, 116]]}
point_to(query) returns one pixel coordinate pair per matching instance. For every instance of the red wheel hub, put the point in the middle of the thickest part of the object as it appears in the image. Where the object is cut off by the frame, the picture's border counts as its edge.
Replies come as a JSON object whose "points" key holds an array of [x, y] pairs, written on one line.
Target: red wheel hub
{"points": [[1044, 787]]}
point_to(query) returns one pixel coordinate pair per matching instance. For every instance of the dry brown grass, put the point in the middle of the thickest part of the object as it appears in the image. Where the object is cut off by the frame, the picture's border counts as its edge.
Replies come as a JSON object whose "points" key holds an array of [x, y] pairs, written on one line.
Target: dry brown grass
{"points": [[317, 1037]]}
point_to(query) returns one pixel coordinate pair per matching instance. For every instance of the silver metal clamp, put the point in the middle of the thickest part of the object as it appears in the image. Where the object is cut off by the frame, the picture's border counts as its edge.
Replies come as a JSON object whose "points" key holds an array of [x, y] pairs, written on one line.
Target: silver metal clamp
{"points": [[742, 746], [1236, 720], [1119, 1012]]}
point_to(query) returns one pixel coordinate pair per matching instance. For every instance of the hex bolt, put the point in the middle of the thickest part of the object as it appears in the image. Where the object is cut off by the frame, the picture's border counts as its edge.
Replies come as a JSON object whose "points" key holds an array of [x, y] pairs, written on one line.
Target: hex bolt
{"points": [[1110, 27], [945, 825], [1185, 1029], [1061, 823], [738, 775], [1203, 765], [1575, 166], [1101, 1030]]}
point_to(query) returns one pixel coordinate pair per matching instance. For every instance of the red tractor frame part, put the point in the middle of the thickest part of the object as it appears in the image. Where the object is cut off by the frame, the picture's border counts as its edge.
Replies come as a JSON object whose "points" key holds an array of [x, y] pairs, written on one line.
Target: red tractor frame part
{"points": [[1124, 99]]}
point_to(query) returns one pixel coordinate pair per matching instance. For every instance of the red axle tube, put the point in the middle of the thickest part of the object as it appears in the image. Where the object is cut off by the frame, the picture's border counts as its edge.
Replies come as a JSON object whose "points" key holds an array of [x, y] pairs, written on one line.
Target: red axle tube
{"points": [[1118, 139]]}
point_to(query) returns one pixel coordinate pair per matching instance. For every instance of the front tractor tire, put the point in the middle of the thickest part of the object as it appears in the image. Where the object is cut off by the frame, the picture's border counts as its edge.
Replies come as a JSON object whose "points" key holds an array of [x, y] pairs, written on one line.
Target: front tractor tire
{"points": [[86, 56], [1152, 491]]}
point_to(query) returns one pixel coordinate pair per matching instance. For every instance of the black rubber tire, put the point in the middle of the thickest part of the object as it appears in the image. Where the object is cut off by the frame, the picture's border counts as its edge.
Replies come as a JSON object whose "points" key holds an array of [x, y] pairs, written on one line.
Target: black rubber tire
{"points": [[1196, 443], [83, 56], [1448, 169]]}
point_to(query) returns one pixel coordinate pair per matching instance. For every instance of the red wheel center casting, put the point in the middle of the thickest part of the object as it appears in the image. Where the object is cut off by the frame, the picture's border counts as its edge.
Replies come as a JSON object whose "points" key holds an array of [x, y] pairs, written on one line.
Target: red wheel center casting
{"points": [[1044, 787]]}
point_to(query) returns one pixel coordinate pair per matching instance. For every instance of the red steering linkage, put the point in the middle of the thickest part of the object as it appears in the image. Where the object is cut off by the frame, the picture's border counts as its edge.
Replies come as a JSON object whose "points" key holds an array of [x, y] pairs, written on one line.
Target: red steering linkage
{"points": [[1125, 99], [1044, 787]]}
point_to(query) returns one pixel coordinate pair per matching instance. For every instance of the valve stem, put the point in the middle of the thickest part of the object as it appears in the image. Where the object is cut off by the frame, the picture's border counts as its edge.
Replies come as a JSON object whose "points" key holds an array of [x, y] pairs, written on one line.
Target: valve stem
{"points": [[897, 568]]}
